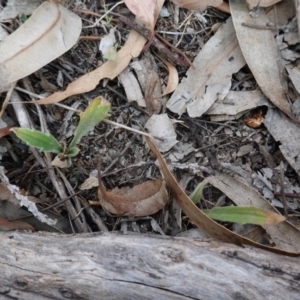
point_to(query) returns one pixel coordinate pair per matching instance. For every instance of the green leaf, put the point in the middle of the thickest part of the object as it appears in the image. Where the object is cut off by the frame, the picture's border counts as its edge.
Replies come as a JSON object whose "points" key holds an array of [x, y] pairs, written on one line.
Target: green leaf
{"points": [[244, 215], [73, 151], [43, 141], [95, 113], [198, 192]]}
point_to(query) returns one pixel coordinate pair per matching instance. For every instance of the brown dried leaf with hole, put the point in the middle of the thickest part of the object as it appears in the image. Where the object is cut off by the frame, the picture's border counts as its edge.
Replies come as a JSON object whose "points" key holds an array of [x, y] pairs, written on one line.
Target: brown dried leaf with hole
{"points": [[15, 224], [144, 199], [201, 220], [199, 5]]}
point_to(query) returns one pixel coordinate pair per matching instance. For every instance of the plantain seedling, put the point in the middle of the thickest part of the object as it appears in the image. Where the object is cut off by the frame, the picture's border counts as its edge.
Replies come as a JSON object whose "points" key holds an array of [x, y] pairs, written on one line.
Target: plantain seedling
{"points": [[95, 113]]}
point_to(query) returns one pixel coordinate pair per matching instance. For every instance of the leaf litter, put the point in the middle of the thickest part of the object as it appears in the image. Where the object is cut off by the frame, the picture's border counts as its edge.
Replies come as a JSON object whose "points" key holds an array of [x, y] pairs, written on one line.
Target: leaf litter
{"points": [[223, 87]]}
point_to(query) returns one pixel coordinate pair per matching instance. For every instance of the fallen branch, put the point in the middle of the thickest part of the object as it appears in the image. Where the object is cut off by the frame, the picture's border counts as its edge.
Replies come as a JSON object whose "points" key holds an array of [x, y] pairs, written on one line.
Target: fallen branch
{"points": [[118, 266]]}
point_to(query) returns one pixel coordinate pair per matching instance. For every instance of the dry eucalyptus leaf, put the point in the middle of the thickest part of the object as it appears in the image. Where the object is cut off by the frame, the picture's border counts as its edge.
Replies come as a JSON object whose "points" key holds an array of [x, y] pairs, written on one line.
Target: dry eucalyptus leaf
{"points": [[173, 78], [284, 234], [239, 102], [146, 11], [146, 71], [198, 217], [14, 8], [163, 127], [90, 183], [260, 51], [262, 3], [199, 5], [31, 46], [287, 133], [214, 65], [6, 225], [110, 69], [144, 199], [132, 88]]}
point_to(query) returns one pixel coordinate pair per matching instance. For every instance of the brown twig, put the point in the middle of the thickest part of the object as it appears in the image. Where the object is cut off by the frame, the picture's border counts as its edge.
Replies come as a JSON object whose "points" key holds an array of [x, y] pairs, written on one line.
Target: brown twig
{"points": [[261, 27], [289, 195], [171, 56]]}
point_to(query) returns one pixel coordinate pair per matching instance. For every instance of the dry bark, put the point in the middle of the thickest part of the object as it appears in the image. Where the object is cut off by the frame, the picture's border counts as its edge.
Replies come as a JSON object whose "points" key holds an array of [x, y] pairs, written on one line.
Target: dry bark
{"points": [[118, 266]]}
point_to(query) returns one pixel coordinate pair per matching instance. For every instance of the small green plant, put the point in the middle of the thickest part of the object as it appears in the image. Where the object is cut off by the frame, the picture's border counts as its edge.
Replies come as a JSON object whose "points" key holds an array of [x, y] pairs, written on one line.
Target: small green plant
{"points": [[95, 113], [237, 214]]}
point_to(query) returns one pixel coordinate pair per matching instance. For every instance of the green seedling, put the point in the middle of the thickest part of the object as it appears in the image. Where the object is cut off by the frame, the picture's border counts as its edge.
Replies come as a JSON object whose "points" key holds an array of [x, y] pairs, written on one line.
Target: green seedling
{"points": [[244, 215], [197, 194], [95, 113], [237, 214]]}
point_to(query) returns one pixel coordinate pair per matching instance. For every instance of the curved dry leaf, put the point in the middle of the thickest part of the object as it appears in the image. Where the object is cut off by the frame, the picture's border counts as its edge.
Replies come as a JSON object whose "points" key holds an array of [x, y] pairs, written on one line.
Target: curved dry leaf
{"points": [[260, 51], [14, 8], [198, 217], [199, 5], [6, 225], [173, 78], [214, 65], [146, 11], [132, 48], [142, 200], [284, 234], [262, 3], [31, 46]]}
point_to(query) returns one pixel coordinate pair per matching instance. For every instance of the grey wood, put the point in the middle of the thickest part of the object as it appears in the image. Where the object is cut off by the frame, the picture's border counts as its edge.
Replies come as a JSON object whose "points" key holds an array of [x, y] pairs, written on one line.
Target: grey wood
{"points": [[117, 266]]}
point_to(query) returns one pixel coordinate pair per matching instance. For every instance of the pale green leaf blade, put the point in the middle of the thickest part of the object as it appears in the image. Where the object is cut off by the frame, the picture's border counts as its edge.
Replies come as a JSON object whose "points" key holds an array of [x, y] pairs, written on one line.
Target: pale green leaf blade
{"points": [[73, 151], [244, 215], [95, 113], [43, 141], [198, 192]]}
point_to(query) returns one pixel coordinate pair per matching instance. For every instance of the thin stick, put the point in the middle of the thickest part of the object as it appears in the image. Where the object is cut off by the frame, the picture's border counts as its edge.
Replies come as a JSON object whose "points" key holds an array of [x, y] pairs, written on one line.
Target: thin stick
{"points": [[131, 129], [7, 98], [109, 11]]}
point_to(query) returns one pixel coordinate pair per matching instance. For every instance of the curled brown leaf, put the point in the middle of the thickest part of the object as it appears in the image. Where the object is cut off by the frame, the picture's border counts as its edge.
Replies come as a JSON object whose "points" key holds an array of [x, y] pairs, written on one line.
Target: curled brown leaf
{"points": [[142, 200]]}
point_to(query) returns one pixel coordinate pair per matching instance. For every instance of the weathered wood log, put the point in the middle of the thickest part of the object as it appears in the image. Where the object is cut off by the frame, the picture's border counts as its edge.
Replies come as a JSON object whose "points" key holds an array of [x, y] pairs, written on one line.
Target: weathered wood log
{"points": [[118, 266]]}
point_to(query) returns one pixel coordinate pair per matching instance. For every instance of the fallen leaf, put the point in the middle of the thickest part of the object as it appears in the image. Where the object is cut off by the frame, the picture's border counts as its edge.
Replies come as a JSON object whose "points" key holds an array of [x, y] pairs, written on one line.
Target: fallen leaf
{"points": [[110, 69], [146, 72], [5, 131], [260, 51], [214, 65], [146, 11], [287, 133], [142, 200], [163, 127], [15, 224], [262, 3], [199, 5], [239, 102], [132, 88], [89, 183], [173, 78], [20, 52], [284, 235], [14, 8], [198, 217]]}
